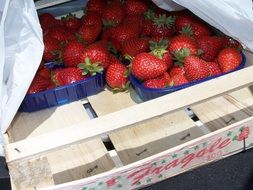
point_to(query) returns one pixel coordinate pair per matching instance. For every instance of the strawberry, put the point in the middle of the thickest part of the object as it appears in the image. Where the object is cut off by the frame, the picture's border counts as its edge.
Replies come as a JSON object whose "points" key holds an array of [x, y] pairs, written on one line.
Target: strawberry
{"points": [[135, 7], [71, 21], [177, 80], [113, 15], [200, 28], [122, 33], [163, 26], [91, 18], [72, 53], [155, 83], [51, 47], [183, 21], [38, 84], [61, 33], [134, 46], [180, 42], [159, 50], [214, 68], [96, 6], [44, 72], [195, 68], [229, 59], [97, 53], [147, 66], [116, 77], [230, 42], [244, 134], [147, 27], [211, 46], [47, 20], [176, 70], [68, 75], [89, 33]]}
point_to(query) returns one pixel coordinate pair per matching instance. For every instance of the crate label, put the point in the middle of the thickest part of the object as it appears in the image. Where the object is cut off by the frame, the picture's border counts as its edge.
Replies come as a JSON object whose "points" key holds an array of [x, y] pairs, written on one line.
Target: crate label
{"points": [[162, 167]]}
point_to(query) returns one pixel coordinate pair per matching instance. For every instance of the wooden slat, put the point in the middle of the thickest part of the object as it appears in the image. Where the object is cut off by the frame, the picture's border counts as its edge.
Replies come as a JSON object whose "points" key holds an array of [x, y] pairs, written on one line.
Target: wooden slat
{"points": [[131, 115], [148, 138], [48, 3], [221, 112], [244, 96], [72, 163]]}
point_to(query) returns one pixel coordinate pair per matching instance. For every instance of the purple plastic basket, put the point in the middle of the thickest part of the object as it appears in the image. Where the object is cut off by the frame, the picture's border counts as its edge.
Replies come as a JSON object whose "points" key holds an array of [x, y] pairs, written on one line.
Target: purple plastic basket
{"points": [[151, 93], [63, 94]]}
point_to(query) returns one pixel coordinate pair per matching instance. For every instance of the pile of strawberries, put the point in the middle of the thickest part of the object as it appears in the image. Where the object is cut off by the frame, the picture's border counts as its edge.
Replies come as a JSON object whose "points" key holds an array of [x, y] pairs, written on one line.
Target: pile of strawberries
{"points": [[159, 48]]}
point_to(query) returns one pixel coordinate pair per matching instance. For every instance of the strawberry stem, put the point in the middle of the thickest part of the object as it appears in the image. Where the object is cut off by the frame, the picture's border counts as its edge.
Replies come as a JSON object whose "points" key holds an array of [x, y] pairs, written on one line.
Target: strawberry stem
{"points": [[89, 67]]}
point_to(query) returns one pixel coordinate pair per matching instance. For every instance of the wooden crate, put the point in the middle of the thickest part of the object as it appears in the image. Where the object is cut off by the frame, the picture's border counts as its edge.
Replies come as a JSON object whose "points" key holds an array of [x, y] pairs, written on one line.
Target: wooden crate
{"points": [[61, 148]]}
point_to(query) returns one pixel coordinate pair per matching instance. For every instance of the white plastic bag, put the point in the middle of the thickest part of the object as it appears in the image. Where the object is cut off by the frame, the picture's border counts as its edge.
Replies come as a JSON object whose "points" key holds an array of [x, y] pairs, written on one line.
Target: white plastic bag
{"points": [[232, 17], [21, 48]]}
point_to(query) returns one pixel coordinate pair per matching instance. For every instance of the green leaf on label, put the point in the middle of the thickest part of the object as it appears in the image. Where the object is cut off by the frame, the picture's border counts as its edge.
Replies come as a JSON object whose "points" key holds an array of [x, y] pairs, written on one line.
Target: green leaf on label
{"points": [[160, 176], [100, 183], [149, 180], [154, 163], [174, 155], [186, 152], [85, 188], [118, 177], [234, 138], [119, 186], [163, 161], [251, 144], [241, 129], [196, 147], [229, 133], [204, 144], [138, 183]]}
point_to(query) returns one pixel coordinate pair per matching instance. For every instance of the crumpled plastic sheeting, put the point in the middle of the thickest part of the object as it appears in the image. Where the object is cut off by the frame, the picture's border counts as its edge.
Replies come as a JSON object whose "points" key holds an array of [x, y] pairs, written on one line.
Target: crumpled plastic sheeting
{"points": [[232, 17], [21, 53]]}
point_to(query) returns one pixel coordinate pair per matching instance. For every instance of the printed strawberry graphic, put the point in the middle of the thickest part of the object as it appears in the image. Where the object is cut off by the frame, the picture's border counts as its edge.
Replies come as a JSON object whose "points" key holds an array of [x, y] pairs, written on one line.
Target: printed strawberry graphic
{"points": [[229, 59], [147, 66], [111, 182], [244, 134]]}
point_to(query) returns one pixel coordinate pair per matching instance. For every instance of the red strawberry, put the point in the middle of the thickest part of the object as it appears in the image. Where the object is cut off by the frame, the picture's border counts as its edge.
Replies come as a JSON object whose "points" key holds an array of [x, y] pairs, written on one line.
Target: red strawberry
{"points": [[97, 53], [47, 20], [195, 68], [214, 68], [71, 21], [135, 46], [39, 84], [176, 70], [229, 59], [159, 50], [72, 53], [61, 33], [113, 15], [183, 21], [200, 28], [230, 42], [147, 22], [244, 134], [51, 46], [135, 7], [211, 46], [96, 6], [177, 80], [89, 34], [116, 76], [163, 26], [44, 72], [68, 75], [91, 18], [181, 42], [122, 33], [147, 66], [155, 83]]}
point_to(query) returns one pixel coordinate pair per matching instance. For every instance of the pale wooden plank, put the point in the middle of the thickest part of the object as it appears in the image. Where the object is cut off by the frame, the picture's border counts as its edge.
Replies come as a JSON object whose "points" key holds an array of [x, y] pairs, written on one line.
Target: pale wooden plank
{"points": [[221, 112], [64, 165], [126, 117], [48, 3], [148, 138], [244, 96]]}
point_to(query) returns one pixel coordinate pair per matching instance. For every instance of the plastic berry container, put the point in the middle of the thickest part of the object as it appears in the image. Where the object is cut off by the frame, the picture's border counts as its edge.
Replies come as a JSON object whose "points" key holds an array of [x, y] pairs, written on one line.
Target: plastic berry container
{"points": [[63, 94], [150, 93]]}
